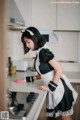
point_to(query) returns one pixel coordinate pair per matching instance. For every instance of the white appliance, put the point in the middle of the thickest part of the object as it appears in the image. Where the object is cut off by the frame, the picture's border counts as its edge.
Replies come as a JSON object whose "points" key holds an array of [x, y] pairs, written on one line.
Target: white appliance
{"points": [[51, 36], [21, 65]]}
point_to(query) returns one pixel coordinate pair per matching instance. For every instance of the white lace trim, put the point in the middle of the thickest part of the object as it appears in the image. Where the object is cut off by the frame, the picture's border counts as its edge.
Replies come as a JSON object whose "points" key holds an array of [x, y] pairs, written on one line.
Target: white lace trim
{"points": [[66, 113], [60, 113]]}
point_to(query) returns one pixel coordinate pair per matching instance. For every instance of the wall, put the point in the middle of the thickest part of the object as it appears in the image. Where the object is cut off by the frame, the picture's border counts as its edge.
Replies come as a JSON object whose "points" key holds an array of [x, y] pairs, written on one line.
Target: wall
{"points": [[67, 48], [14, 45]]}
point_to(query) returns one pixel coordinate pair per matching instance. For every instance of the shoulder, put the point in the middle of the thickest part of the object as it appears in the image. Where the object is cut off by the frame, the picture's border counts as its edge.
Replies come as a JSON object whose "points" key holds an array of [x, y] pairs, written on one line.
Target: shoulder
{"points": [[45, 54]]}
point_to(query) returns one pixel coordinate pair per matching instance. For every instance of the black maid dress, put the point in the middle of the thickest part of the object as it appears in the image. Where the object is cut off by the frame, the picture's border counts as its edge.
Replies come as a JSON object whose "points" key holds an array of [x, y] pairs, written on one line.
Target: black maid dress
{"points": [[59, 102]]}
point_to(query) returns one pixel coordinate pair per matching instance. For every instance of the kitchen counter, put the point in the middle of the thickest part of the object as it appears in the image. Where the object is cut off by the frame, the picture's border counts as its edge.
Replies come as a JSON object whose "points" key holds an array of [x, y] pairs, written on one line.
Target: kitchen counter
{"points": [[28, 87], [74, 77]]}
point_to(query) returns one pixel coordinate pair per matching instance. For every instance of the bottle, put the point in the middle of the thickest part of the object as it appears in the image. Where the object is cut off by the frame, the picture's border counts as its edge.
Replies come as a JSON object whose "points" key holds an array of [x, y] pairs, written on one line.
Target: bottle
{"points": [[9, 65]]}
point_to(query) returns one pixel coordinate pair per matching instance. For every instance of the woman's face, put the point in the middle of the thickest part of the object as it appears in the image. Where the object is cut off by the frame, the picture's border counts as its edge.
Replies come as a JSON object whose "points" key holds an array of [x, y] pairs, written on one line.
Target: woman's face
{"points": [[29, 43]]}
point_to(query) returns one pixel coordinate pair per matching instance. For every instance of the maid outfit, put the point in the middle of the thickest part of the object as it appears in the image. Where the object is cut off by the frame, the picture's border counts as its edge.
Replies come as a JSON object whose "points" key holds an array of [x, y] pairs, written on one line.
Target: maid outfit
{"points": [[62, 96]]}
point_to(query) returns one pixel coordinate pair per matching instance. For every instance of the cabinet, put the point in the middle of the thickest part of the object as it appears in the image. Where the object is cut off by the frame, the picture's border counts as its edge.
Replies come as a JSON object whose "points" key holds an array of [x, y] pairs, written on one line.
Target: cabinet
{"points": [[46, 15], [76, 115], [42, 115], [43, 14], [68, 17], [55, 16]]}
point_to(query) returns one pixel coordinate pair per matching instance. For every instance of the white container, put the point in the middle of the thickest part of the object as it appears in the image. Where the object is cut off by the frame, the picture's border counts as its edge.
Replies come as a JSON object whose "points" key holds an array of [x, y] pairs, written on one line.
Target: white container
{"points": [[21, 65]]}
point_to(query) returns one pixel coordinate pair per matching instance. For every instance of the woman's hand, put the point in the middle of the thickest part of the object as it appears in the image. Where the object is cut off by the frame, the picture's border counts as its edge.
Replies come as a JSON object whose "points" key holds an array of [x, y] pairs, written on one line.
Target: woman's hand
{"points": [[36, 77], [44, 87]]}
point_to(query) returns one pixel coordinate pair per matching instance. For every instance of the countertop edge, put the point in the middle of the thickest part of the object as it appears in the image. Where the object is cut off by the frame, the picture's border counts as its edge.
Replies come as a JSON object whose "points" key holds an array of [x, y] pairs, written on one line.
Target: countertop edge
{"points": [[40, 106]]}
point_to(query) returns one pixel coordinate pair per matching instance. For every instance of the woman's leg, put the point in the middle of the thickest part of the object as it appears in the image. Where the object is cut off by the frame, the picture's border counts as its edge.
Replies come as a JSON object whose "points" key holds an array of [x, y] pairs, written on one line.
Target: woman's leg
{"points": [[69, 117], [58, 118]]}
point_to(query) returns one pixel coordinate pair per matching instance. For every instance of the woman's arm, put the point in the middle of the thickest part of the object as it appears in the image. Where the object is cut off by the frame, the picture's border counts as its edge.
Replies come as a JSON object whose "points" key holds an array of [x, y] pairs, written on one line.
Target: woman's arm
{"points": [[36, 77], [58, 70], [32, 78]]}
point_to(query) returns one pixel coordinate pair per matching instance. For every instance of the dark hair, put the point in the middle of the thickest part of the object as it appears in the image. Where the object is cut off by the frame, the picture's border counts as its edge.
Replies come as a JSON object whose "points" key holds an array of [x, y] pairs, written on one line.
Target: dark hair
{"points": [[33, 34]]}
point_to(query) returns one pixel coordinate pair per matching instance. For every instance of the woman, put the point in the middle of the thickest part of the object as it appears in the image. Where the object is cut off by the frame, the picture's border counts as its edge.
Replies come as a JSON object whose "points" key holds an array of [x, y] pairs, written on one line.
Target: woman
{"points": [[61, 95]]}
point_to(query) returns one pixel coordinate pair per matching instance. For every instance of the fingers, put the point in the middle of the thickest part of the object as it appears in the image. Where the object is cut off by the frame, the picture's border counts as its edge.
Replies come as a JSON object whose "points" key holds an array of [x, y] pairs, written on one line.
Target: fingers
{"points": [[41, 88], [44, 87]]}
